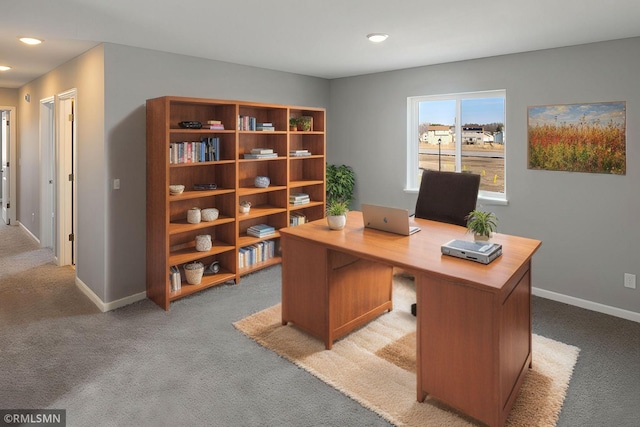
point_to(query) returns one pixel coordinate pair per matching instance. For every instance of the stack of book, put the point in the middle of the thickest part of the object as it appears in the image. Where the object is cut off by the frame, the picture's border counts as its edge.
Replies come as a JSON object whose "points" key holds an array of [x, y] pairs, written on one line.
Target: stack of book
{"points": [[258, 252], [299, 153], [265, 127], [299, 198], [261, 230], [215, 124], [260, 153], [297, 218]]}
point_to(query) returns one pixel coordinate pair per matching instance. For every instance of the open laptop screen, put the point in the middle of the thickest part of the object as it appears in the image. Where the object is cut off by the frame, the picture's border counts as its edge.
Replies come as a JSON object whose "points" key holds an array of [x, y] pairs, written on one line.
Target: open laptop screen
{"points": [[393, 220]]}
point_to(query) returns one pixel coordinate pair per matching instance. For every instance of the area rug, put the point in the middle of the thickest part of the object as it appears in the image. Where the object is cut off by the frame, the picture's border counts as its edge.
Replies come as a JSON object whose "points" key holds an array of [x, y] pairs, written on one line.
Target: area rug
{"points": [[375, 365]]}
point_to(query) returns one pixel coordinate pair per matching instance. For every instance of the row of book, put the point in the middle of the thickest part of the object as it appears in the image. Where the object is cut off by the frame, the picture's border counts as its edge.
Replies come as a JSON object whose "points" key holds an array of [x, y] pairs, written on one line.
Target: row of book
{"points": [[250, 123], [261, 230], [297, 218], [260, 153], [299, 198], [205, 150], [258, 252]]}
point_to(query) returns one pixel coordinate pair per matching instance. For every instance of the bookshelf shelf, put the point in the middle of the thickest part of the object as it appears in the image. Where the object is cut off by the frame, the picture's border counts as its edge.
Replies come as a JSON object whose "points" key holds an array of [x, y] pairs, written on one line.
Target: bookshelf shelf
{"points": [[170, 238]]}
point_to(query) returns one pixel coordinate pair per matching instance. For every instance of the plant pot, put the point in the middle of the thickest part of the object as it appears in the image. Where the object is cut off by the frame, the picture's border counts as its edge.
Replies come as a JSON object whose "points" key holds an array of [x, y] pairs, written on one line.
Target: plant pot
{"points": [[480, 238], [336, 222]]}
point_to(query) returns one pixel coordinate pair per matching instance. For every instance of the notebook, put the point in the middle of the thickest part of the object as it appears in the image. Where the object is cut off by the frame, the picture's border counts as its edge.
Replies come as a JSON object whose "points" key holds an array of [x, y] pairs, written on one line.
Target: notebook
{"points": [[475, 251], [393, 220]]}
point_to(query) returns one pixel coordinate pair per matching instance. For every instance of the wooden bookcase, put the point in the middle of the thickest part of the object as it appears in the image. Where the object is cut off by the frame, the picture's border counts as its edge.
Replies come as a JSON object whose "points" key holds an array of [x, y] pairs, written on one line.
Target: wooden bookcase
{"points": [[171, 239]]}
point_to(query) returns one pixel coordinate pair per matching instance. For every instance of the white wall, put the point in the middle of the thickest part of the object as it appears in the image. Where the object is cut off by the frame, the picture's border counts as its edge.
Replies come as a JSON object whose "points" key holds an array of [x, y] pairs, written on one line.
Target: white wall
{"points": [[588, 223]]}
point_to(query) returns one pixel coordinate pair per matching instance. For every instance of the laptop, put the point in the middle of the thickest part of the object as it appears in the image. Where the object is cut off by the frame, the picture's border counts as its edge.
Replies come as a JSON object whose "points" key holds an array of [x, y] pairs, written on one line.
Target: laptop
{"points": [[483, 253], [393, 220]]}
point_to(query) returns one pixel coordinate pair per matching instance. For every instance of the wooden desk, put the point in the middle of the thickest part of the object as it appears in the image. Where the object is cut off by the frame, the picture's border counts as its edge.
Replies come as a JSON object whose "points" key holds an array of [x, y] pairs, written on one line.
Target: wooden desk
{"points": [[473, 322]]}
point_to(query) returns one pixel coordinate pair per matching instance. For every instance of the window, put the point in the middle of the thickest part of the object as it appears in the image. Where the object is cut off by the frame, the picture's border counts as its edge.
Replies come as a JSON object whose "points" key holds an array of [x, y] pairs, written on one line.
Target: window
{"points": [[463, 132]]}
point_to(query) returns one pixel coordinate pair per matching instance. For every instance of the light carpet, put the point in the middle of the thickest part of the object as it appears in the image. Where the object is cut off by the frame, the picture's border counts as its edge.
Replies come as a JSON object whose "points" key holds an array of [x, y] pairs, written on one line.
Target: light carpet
{"points": [[375, 365]]}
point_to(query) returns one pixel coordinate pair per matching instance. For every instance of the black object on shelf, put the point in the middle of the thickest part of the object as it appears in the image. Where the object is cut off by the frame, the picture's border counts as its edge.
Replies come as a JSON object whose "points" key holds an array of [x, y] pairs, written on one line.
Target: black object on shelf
{"points": [[205, 186], [190, 125]]}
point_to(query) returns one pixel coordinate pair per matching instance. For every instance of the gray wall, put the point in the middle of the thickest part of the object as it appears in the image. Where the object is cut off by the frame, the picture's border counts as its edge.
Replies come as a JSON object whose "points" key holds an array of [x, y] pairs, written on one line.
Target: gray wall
{"points": [[134, 75], [86, 74], [8, 97], [587, 222]]}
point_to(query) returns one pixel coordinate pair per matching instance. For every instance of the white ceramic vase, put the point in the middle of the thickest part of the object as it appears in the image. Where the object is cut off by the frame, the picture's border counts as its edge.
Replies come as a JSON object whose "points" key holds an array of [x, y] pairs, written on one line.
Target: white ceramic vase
{"points": [[336, 222]]}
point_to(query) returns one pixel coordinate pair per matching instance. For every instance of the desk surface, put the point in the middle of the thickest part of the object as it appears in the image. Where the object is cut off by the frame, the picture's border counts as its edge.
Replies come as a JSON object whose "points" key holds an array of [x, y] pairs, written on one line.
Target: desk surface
{"points": [[421, 251]]}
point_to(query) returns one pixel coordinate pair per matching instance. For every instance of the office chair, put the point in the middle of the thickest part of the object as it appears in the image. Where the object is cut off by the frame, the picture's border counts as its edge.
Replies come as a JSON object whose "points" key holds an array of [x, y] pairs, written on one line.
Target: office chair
{"points": [[446, 197]]}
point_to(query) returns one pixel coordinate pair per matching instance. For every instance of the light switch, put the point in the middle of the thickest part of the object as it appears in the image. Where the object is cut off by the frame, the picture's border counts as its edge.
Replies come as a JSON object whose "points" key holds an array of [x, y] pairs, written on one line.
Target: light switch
{"points": [[116, 184]]}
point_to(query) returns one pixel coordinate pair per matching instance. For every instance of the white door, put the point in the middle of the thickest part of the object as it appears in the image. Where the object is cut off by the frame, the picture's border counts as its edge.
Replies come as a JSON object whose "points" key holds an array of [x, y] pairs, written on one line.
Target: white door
{"points": [[66, 179], [8, 137]]}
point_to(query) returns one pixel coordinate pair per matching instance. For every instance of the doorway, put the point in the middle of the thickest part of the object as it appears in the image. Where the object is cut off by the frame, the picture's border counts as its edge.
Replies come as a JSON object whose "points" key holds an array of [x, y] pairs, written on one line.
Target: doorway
{"points": [[8, 158]]}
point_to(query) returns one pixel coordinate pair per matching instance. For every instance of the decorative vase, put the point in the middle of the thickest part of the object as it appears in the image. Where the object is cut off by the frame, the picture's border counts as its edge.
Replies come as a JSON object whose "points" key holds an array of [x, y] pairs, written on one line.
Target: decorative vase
{"points": [[203, 242], [244, 208], [193, 216], [262, 181], [210, 214], [336, 222], [193, 272]]}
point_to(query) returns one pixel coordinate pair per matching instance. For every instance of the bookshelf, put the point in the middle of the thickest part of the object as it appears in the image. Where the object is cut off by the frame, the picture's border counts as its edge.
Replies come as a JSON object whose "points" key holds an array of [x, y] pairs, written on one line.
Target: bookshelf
{"points": [[298, 166]]}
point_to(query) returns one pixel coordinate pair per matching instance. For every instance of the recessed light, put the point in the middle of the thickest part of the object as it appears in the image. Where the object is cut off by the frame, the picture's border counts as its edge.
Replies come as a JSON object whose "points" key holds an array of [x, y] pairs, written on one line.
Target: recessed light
{"points": [[30, 40], [377, 37], [4, 68]]}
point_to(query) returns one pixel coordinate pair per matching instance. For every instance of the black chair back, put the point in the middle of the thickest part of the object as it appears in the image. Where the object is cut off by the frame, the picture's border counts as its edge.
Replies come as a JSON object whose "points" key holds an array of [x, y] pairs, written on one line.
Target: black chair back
{"points": [[447, 196]]}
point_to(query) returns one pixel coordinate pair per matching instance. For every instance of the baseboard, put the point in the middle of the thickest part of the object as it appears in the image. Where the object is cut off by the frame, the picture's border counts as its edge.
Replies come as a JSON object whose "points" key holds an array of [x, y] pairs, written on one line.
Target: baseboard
{"points": [[104, 307], [26, 230], [589, 305]]}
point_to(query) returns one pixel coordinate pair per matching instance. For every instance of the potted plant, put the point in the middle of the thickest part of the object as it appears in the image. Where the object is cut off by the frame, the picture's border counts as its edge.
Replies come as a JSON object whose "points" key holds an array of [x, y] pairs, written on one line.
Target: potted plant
{"points": [[481, 224], [337, 214], [304, 123], [293, 123], [341, 181]]}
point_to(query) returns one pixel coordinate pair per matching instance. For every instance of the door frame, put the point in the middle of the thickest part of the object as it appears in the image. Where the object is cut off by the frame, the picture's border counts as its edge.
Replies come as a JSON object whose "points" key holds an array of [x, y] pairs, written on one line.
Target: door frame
{"points": [[11, 212], [66, 163], [48, 174]]}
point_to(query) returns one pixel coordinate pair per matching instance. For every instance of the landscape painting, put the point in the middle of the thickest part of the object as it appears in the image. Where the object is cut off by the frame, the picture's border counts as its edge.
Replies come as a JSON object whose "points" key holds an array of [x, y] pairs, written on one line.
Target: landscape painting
{"points": [[578, 137]]}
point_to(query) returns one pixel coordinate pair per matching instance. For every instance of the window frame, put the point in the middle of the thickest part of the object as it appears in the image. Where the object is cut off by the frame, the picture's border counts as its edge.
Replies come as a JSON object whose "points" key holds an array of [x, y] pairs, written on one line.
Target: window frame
{"points": [[413, 102]]}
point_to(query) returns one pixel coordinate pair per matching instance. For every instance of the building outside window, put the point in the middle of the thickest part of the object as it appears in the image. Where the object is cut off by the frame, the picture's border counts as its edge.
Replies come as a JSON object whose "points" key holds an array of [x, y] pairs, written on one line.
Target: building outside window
{"points": [[463, 132]]}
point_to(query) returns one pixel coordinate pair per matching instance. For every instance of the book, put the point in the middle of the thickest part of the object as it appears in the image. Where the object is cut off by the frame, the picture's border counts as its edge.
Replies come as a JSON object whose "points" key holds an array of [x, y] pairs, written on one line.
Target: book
{"points": [[300, 154], [261, 151], [298, 196], [260, 156], [297, 218], [214, 122], [260, 230]]}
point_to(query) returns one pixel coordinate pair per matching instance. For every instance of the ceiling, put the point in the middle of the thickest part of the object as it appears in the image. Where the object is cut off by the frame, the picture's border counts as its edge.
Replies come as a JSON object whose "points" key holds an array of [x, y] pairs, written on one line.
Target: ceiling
{"points": [[323, 38]]}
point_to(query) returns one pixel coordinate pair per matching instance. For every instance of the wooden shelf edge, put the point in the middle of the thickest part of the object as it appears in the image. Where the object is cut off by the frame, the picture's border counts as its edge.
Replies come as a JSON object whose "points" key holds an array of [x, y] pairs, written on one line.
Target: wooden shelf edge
{"points": [[207, 282]]}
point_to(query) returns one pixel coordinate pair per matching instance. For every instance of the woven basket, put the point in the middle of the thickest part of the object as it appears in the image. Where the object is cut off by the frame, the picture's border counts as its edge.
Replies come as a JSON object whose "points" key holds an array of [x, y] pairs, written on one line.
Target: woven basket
{"points": [[193, 272]]}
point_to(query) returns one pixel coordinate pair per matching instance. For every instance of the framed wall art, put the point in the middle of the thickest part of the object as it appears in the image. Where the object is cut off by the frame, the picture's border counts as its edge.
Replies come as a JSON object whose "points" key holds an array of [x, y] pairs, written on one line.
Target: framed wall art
{"points": [[578, 137]]}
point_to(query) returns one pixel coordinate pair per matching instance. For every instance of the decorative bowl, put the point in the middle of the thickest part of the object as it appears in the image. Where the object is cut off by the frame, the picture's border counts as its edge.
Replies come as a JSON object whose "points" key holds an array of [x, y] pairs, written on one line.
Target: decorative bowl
{"points": [[262, 181], [210, 214], [176, 189]]}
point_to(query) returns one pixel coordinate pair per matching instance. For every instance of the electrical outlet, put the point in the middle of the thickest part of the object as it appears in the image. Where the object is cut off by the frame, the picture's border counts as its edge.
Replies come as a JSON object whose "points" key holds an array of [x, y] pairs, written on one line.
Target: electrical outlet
{"points": [[629, 280]]}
